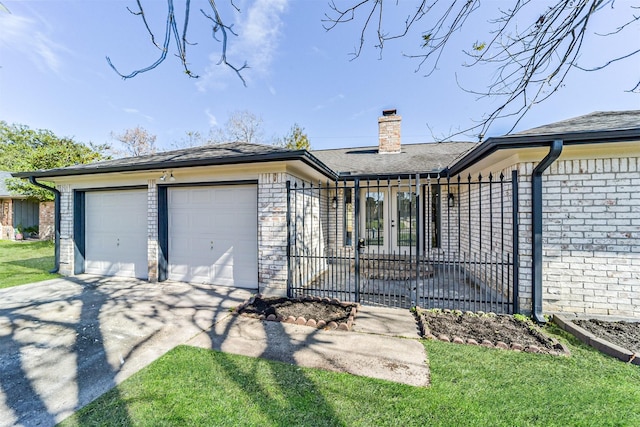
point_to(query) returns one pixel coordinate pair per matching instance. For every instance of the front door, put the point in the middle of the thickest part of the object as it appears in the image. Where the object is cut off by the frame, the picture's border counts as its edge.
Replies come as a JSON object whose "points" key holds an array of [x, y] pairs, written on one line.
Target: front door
{"points": [[389, 220]]}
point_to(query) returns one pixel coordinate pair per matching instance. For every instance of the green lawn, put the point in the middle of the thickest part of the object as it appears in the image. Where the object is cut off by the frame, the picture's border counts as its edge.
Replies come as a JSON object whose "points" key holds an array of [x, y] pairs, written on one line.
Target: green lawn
{"points": [[471, 386], [25, 262]]}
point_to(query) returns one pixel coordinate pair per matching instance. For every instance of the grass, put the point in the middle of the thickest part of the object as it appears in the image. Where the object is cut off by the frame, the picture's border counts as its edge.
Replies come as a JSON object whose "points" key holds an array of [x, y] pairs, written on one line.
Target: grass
{"points": [[25, 262], [470, 386]]}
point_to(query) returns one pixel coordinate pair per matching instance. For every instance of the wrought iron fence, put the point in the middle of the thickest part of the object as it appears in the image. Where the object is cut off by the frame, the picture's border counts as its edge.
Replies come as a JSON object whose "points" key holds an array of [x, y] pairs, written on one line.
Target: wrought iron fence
{"points": [[437, 242]]}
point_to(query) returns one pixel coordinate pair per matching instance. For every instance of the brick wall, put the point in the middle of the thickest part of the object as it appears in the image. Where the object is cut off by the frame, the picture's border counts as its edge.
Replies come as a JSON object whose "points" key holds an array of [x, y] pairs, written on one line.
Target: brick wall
{"points": [[152, 230], [6, 219], [272, 233], [66, 230], [46, 221], [591, 237]]}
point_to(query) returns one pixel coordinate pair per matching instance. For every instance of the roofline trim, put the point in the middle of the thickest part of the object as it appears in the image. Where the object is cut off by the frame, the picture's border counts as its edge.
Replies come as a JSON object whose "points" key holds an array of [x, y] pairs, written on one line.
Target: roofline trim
{"points": [[494, 144], [301, 155]]}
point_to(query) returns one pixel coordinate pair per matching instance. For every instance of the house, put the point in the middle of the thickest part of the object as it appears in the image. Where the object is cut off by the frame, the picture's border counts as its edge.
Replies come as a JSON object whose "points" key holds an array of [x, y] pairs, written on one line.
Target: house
{"points": [[19, 213], [545, 220]]}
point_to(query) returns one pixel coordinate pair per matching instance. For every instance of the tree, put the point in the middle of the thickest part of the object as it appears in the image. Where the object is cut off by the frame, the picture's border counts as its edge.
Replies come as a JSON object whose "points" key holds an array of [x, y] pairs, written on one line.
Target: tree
{"points": [[135, 142], [531, 61], [242, 126], [296, 139], [23, 149], [532, 57], [191, 139]]}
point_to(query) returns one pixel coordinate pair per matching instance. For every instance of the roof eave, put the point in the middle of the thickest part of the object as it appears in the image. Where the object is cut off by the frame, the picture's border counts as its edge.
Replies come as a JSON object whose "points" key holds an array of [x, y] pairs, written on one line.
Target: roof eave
{"points": [[301, 155], [492, 145]]}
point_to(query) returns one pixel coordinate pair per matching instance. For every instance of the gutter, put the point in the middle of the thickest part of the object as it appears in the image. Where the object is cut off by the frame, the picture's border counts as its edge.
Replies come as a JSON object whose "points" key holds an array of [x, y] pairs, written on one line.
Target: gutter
{"points": [[164, 163], [536, 207], [56, 193], [494, 144]]}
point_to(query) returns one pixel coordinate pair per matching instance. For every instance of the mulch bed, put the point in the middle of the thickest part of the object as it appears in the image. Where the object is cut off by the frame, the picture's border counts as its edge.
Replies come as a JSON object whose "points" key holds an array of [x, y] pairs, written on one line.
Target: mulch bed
{"points": [[623, 334], [322, 313], [487, 330]]}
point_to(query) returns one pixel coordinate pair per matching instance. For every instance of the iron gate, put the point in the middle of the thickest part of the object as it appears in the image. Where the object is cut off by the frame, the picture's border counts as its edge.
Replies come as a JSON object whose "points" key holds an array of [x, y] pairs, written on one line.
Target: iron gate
{"points": [[435, 242]]}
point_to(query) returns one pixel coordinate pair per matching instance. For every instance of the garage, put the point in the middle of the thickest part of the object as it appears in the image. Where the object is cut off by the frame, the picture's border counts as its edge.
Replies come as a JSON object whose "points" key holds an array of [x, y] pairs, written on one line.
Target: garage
{"points": [[116, 233], [213, 235]]}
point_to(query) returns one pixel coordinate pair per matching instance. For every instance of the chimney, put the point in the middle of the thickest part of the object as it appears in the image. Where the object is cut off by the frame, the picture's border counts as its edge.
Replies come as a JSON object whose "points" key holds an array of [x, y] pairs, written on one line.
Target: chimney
{"points": [[389, 132]]}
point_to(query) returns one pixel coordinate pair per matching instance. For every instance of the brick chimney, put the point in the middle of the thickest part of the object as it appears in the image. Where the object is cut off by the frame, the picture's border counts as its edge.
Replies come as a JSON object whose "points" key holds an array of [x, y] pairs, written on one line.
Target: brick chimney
{"points": [[389, 132]]}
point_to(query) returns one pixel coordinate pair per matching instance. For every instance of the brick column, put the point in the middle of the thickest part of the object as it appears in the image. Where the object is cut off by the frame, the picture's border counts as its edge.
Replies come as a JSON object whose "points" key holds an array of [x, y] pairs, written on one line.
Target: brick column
{"points": [[66, 230], [272, 233], [152, 230]]}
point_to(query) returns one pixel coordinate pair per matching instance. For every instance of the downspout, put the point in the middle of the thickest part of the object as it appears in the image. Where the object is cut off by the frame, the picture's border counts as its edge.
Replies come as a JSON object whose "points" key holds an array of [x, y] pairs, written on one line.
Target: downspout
{"points": [[536, 206], [56, 203]]}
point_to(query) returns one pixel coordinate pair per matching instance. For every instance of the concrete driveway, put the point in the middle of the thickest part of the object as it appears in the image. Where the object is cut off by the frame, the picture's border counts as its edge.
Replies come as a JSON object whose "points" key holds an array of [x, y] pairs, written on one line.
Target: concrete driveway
{"points": [[66, 341]]}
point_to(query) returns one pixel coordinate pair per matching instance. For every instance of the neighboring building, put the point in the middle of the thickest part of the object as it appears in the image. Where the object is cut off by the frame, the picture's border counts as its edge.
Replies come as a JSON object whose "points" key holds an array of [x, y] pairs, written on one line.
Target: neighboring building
{"points": [[543, 220], [19, 213]]}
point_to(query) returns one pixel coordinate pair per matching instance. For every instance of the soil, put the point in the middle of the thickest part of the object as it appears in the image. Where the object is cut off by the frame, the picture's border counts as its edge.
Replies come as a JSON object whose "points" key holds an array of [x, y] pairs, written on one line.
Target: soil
{"points": [[490, 330], [623, 334], [318, 309]]}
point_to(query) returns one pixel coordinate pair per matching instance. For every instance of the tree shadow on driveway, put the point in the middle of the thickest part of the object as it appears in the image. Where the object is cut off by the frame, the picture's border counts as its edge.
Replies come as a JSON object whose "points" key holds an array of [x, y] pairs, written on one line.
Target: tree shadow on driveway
{"points": [[67, 341]]}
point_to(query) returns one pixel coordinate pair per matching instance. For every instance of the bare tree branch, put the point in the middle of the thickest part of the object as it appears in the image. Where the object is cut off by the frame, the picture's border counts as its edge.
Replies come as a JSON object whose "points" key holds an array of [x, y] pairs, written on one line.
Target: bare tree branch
{"points": [[531, 62], [180, 38]]}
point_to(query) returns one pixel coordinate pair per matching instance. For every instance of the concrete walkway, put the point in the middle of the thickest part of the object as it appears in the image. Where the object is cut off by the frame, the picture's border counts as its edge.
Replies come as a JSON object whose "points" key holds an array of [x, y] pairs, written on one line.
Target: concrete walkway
{"points": [[379, 346], [64, 342]]}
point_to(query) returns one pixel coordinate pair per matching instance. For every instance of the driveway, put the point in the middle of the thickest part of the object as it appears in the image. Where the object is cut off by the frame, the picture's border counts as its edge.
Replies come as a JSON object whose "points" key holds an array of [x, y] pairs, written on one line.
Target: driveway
{"points": [[66, 341]]}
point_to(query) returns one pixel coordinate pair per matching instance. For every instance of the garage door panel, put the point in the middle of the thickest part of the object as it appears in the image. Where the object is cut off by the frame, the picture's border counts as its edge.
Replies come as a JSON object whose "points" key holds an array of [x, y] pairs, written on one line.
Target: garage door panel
{"points": [[213, 230], [116, 233]]}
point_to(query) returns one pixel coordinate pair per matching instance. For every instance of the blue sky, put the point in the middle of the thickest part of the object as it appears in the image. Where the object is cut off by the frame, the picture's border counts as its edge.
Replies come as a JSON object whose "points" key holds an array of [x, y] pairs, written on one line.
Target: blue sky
{"points": [[54, 75]]}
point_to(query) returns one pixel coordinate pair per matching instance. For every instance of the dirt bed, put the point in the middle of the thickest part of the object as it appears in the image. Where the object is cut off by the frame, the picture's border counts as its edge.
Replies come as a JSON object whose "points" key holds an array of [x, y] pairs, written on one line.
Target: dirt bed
{"points": [[489, 330], [623, 334], [318, 309]]}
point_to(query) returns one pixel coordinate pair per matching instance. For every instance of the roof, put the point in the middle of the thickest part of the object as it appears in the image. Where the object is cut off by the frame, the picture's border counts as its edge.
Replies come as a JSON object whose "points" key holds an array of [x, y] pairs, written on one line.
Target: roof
{"points": [[413, 158], [598, 121], [207, 155], [600, 127]]}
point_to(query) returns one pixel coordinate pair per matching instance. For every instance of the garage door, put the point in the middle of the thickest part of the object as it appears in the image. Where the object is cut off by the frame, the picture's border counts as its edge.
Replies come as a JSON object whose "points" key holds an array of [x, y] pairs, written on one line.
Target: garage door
{"points": [[213, 235], [116, 233]]}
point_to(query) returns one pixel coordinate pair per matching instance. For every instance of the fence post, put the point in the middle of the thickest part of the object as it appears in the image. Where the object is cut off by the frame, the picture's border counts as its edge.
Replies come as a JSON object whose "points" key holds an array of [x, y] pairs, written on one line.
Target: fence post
{"points": [[418, 256], [516, 249], [289, 273], [356, 237]]}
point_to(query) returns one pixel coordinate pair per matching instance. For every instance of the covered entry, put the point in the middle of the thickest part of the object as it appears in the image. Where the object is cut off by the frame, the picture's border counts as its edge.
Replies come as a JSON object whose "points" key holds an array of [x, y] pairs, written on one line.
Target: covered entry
{"points": [[212, 235], [436, 242]]}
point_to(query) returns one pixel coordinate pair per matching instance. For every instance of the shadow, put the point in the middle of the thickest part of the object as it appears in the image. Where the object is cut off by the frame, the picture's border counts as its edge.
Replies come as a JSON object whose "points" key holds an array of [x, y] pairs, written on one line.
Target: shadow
{"points": [[32, 262], [94, 373], [41, 353], [293, 385], [65, 342]]}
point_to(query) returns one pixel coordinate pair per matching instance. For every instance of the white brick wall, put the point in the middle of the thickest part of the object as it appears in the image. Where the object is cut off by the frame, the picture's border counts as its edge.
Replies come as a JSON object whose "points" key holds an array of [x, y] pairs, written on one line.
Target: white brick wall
{"points": [[152, 230], [272, 233], [66, 230], [592, 237]]}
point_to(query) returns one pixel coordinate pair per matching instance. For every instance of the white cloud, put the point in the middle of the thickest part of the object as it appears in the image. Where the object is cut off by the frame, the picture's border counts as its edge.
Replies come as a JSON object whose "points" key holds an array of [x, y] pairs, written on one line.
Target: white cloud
{"points": [[24, 36], [259, 29], [137, 112], [213, 122]]}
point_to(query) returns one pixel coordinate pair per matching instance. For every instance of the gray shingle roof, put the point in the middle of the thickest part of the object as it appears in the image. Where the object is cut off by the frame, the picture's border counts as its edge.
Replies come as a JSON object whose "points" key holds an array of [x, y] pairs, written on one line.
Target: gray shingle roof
{"points": [[207, 155], [413, 158], [598, 121]]}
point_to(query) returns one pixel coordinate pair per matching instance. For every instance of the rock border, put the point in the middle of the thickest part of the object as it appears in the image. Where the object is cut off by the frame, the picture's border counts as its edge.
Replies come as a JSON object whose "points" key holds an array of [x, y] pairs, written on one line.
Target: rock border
{"points": [[598, 343], [559, 348], [313, 323]]}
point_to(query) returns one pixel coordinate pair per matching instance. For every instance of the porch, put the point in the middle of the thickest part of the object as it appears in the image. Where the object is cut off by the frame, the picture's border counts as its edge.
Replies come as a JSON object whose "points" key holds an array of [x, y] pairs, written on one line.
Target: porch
{"points": [[378, 243]]}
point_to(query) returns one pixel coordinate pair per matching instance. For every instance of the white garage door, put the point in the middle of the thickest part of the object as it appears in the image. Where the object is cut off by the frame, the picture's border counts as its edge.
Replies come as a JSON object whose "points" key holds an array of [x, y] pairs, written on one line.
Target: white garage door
{"points": [[116, 233], [213, 235]]}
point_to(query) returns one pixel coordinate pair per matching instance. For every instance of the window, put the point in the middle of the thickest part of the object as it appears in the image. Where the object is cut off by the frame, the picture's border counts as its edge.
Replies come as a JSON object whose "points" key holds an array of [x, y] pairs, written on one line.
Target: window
{"points": [[374, 218], [348, 217]]}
